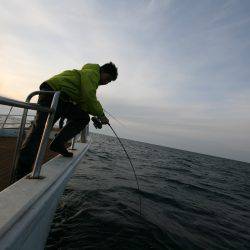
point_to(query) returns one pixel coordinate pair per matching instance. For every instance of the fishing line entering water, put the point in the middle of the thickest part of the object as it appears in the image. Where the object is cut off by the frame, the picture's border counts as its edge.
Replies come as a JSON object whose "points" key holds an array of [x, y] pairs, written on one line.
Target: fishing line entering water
{"points": [[138, 187]]}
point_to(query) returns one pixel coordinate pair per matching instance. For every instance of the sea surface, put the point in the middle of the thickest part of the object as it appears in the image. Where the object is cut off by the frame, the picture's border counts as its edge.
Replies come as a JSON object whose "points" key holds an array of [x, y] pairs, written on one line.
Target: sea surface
{"points": [[189, 200]]}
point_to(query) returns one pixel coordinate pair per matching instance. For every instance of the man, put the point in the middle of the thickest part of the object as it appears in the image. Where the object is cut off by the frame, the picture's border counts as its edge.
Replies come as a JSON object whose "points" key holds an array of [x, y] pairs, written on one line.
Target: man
{"points": [[77, 101]]}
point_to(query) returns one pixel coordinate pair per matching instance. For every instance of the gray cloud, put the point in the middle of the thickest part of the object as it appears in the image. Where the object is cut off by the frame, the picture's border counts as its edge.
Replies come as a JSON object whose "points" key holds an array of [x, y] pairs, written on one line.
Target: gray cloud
{"points": [[183, 66]]}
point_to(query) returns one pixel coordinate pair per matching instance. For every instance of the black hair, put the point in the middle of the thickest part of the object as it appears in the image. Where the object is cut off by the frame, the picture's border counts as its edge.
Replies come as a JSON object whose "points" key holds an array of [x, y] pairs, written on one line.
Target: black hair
{"points": [[111, 69]]}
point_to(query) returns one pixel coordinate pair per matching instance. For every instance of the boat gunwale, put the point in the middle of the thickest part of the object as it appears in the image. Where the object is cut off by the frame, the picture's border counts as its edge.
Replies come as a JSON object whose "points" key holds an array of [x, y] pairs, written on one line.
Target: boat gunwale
{"points": [[53, 173]]}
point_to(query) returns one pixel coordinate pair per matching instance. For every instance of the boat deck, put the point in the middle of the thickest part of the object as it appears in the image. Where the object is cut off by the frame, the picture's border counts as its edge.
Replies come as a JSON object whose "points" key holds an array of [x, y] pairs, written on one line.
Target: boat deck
{"points": [[7, 149]]}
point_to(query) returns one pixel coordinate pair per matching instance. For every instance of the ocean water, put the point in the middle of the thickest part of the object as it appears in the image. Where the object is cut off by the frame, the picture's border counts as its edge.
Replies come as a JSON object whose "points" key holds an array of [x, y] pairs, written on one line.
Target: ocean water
{"points": [[189, 200]]}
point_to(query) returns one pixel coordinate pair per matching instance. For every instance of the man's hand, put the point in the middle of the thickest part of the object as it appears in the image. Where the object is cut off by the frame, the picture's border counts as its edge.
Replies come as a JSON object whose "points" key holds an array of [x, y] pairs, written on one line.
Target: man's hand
{"points": [[104, 120], [97, 123]]}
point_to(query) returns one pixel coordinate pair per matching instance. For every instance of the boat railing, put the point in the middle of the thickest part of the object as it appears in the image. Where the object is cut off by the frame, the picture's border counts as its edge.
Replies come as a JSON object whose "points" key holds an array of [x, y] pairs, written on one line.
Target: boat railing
{"points": [[28, 205], [35, 174], [83, 137], [7, 116]]}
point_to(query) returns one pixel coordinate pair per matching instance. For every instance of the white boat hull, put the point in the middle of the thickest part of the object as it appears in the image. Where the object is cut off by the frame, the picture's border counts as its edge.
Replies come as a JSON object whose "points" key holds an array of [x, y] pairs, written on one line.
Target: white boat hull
{"points": [[27, 207]]}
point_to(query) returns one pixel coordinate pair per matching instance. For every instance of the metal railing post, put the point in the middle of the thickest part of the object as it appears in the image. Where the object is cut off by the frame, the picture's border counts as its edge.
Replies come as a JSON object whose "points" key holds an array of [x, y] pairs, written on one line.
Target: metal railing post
{"points": [[20, 138], [84, 134], [45, 138], [72, 146], [83, 137], [21, 133], [7, 116]]}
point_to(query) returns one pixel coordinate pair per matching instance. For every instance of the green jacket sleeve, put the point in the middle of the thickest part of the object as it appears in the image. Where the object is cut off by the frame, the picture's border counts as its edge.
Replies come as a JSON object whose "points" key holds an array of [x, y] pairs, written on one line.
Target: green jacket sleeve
{"points": [[89, 102]]}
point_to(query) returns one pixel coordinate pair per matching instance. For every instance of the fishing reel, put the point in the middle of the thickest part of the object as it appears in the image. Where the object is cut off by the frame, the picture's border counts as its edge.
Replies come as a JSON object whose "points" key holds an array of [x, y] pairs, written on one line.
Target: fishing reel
{"points": [[97, 123]]}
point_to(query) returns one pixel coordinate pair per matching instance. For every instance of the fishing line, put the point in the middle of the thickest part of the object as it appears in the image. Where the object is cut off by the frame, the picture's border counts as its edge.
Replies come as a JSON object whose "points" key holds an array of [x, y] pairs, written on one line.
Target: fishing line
{"points": [[114, 117], [138, 187]]}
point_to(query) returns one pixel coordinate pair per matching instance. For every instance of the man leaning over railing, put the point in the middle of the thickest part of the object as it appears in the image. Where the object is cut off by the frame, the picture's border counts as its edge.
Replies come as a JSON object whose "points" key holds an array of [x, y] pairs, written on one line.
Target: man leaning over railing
{"points": [[77, 101]]}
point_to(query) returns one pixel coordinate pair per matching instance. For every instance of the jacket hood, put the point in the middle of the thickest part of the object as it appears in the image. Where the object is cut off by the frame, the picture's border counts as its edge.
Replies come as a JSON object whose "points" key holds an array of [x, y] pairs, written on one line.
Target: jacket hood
{"points": [[95, 71], [91, 66]]}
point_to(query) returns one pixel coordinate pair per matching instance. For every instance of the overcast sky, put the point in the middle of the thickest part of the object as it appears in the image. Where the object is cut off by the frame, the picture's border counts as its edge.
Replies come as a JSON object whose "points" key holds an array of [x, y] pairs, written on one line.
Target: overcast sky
{"points": [[183, 65]]}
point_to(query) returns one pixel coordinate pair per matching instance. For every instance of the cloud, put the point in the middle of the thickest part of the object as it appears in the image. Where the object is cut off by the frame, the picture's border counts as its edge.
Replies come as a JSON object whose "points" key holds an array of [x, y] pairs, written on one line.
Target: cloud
{"points": [[183, 67]]}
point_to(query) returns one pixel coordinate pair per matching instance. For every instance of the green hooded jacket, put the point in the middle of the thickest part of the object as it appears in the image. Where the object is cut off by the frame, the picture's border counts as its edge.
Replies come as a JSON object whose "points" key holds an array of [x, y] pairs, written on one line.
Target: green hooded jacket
{"points": [[80, 86]]}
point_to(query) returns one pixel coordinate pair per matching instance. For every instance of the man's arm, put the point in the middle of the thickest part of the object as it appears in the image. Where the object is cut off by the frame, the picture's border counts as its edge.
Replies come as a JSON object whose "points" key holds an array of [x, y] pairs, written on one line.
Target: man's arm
{"points": [[89, 100]]}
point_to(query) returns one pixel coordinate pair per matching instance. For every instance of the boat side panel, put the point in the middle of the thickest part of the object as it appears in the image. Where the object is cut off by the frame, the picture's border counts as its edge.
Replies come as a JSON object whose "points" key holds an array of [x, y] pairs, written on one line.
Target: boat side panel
{"points": [[27, 207]]}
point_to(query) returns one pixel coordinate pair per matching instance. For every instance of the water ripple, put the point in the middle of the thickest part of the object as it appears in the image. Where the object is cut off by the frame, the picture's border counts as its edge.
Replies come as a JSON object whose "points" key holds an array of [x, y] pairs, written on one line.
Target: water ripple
{"points": [[189, 201]]}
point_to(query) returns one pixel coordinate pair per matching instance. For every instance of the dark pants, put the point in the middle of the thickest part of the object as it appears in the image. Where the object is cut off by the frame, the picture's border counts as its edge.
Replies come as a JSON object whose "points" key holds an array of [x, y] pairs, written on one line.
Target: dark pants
{"points": [[77, 119]]}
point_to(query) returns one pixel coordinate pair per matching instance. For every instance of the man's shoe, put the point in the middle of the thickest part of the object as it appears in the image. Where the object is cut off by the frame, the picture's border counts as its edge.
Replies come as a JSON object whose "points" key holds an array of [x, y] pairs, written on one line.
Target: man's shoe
{"points": [[58, 148]]}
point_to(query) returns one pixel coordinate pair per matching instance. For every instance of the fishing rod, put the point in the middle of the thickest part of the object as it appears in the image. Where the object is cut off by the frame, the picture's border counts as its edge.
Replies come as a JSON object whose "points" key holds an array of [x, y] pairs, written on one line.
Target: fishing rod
{"points": [[98, 124]]}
